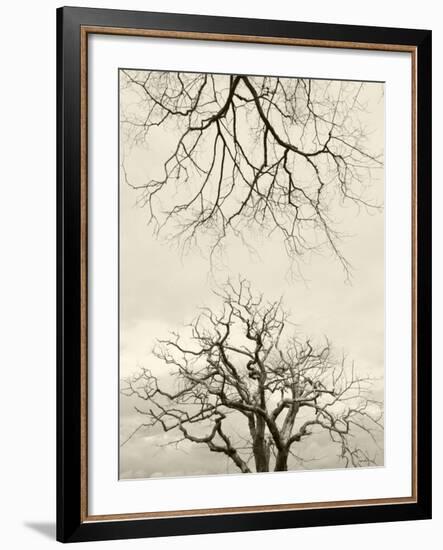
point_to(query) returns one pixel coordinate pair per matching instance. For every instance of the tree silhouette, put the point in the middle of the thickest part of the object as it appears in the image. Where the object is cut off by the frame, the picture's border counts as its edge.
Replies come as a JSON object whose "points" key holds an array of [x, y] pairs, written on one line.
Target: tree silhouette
{"points": [[244, 385], [250, 155]]}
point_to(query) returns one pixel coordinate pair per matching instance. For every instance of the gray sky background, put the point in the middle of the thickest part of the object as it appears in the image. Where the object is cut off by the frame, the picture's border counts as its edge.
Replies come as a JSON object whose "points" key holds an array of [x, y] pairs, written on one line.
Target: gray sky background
{"points": [[160, 291]]}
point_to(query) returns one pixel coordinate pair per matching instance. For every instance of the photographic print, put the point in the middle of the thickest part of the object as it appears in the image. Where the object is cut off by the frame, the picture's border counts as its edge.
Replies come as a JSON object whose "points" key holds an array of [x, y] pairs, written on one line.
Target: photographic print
{"points": [[251, 274]]}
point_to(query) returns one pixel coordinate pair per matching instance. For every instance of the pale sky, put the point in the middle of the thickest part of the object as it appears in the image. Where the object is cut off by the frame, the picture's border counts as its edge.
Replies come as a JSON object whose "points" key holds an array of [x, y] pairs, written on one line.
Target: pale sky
{"points": [[159, 292]]}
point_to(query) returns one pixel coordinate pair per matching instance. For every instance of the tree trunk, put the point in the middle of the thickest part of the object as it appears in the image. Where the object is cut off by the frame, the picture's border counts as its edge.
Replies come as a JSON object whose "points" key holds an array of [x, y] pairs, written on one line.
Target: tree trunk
{"points": [[281, 463], [260, 447], [261, 455]]}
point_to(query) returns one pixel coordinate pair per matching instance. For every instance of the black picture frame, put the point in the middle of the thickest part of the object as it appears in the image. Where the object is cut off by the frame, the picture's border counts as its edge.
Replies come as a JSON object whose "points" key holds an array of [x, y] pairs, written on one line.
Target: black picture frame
{"points": [[72, 525]]}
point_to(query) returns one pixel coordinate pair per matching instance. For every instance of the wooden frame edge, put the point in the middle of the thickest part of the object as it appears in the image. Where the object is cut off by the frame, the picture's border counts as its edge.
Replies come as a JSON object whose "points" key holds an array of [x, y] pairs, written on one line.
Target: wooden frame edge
{"points": [[275, 40], [84, 274], [199, 512]]}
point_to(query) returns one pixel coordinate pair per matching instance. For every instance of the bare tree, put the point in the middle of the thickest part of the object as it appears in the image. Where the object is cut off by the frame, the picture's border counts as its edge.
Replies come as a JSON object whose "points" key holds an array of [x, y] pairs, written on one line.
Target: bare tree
{"points": [[250, 154], [244, 387]]}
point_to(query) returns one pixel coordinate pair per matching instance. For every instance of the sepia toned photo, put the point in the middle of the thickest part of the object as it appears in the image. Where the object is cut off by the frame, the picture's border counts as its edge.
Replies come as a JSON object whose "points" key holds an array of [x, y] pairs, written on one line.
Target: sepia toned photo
{"points": [[251, 274]]}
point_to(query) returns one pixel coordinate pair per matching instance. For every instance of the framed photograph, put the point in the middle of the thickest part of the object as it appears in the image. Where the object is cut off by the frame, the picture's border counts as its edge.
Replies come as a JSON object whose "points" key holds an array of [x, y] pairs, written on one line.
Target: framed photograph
{"points": [[244, 274]]}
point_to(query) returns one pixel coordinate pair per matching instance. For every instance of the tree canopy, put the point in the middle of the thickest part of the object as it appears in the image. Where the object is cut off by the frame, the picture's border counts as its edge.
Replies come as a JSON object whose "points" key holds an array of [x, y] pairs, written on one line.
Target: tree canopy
{"points": [[243, 382], [250, 155]]}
